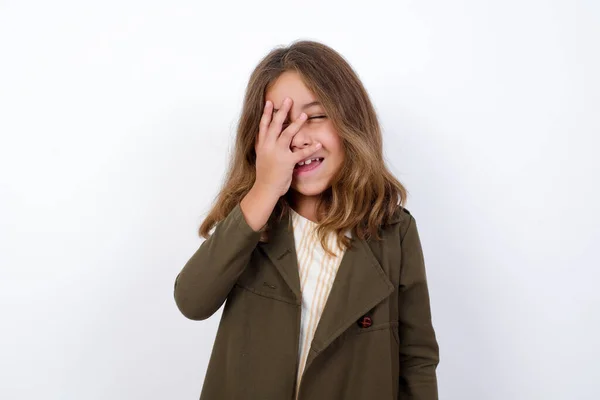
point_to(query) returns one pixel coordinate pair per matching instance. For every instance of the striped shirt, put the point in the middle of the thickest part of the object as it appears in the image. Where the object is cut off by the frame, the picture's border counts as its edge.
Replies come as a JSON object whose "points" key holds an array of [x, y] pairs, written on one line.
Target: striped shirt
{"points": [[317, 272]]}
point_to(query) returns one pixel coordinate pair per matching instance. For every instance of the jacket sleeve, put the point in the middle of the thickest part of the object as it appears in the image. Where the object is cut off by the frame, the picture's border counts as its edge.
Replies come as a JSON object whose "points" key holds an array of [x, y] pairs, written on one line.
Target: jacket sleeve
{"points": [[205, 281], [419, 352]]}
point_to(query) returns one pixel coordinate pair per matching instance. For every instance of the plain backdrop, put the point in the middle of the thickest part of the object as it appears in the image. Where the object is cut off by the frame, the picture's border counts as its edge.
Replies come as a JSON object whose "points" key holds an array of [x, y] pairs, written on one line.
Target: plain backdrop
{"points": [[116, 122]]}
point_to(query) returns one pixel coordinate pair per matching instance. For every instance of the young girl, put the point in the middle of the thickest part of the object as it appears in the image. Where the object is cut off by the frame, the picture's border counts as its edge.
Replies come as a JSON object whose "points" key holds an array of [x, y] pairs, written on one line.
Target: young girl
{"points": [[320, 263]]}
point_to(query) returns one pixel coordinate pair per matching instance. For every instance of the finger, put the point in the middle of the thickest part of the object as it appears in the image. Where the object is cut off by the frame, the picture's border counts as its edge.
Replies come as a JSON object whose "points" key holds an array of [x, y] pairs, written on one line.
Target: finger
{"points": [[288, 133], [307, 152], [265, 120], [280, 116]]}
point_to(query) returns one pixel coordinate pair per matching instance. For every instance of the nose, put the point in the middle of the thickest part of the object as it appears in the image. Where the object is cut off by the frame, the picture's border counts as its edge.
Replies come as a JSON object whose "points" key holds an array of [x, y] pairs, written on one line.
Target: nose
{"points": [[301, 140]]}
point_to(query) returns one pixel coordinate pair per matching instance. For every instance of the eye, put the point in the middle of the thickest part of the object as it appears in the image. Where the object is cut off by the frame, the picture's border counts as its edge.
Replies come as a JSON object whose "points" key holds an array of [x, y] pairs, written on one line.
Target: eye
{"points": [[287, 123]]}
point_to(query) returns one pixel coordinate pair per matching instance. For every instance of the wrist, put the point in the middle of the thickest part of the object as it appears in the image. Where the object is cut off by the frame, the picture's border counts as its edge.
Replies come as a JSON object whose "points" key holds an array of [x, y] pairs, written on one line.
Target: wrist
{"points": [[257, 206], [265, 193]]}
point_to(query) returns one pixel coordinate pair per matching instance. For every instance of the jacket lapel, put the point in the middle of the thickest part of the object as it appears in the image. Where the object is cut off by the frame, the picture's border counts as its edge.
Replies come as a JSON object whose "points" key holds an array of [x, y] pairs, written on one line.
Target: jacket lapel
{"points": [[360, 284]]}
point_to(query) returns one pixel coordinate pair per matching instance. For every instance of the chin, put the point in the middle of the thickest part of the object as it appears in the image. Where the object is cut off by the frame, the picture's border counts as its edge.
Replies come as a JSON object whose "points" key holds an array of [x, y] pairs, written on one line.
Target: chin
{"points": [[309, 190]]}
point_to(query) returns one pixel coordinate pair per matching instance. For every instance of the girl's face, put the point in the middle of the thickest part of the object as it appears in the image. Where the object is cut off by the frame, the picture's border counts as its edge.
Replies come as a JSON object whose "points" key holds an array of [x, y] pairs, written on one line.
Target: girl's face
{"points": [[308, 180]]}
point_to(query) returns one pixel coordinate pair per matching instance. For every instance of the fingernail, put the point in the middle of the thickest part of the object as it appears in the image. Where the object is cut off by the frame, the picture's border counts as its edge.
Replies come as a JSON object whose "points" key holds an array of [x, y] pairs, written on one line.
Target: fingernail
{"points": [[318, 145]]}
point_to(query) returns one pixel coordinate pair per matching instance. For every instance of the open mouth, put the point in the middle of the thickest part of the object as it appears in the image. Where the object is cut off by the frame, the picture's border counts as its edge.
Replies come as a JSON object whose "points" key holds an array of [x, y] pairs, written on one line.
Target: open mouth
{"points": [[308, 165]]}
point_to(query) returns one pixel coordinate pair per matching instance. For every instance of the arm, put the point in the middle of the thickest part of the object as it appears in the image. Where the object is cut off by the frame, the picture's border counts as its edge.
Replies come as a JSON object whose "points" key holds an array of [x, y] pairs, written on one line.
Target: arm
{"points": [[419, 352], [207, 278]]}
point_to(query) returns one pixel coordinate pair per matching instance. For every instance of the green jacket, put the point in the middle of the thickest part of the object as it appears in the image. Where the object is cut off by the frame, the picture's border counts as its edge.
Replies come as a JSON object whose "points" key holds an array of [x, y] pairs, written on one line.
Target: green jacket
{"points": [[255, 354]]}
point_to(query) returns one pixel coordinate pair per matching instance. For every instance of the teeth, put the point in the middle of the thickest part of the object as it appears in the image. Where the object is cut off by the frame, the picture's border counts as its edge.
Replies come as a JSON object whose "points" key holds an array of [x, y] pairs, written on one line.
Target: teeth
{"points": [[307, 162]]}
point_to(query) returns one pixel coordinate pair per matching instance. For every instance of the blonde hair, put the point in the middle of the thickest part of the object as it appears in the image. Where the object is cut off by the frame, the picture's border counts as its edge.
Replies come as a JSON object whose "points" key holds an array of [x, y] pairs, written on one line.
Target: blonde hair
{"points": [[364, 194]]}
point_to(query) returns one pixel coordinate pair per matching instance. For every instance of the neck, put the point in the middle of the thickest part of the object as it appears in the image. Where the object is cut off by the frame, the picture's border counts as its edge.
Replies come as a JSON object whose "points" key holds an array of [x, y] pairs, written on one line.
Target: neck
{"points": [[304, 205]]}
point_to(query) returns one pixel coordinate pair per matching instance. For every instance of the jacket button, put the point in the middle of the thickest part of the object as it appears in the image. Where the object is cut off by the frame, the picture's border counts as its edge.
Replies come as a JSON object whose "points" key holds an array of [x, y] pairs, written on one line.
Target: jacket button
{"points": [[365, 322]]}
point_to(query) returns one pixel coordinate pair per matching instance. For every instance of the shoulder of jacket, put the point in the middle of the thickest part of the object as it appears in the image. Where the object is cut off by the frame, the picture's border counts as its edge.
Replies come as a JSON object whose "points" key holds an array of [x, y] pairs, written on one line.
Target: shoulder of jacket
{"points": [[401, 221], [401, 215]]}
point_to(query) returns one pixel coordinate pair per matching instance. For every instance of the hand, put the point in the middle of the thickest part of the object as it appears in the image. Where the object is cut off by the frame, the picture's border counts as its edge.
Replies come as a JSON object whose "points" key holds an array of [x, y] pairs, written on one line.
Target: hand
{"points": [[274, 160]]}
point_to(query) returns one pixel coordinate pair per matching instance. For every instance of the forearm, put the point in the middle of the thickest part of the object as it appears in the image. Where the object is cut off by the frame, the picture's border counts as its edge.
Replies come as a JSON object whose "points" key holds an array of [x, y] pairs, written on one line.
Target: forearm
{"points": [[207, 278]]}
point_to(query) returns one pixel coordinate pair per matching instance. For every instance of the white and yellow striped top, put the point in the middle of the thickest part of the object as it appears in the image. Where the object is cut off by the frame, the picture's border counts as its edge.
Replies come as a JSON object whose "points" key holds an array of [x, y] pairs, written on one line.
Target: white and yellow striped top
{"points": [[317, 272]]}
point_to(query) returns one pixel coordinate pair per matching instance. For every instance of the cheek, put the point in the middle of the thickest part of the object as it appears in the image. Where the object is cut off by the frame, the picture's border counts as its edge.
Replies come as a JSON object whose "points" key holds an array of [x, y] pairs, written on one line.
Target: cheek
{"points": [[331, 141], [335, 156], [334, 146]]}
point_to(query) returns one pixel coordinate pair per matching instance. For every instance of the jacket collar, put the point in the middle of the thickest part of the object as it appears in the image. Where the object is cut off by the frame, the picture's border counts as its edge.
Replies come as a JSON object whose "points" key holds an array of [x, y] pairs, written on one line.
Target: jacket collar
{"points": [[360, 283]]}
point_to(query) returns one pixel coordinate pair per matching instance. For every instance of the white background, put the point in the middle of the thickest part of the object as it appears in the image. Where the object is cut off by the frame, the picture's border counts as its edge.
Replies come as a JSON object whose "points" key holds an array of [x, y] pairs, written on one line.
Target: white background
{"points": [[116, 120]]}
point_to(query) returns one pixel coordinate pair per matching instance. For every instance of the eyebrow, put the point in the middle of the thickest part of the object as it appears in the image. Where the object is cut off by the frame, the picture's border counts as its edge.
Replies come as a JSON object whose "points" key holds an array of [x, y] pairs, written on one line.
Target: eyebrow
{"points": [[307, 105]]}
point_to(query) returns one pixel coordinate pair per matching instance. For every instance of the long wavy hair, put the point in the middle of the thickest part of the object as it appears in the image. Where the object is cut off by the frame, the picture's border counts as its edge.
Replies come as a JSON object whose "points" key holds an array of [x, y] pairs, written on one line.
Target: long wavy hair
{"points": [[364, 194]]}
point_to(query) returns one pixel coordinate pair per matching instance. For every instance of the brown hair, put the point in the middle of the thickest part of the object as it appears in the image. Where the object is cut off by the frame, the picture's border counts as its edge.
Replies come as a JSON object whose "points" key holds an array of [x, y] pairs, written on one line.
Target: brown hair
{"points": [[364, 194]]}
